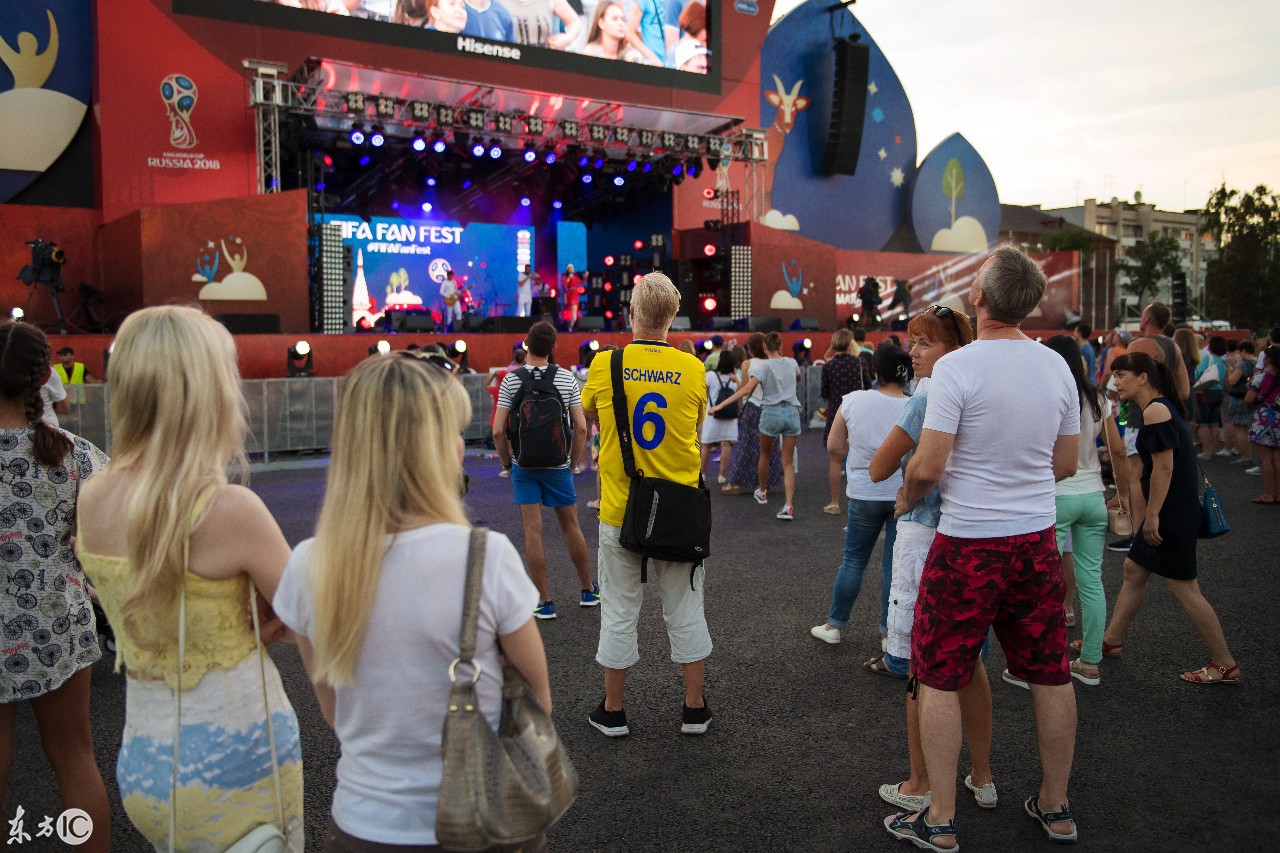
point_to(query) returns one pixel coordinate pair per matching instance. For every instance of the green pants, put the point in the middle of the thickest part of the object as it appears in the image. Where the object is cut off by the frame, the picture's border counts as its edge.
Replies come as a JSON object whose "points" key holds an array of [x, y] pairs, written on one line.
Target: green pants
{"points": [[1084, 517]]}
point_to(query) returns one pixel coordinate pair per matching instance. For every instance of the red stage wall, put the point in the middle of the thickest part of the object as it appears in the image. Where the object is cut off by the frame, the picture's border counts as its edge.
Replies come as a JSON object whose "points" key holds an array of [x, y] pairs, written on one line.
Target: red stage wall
{"points": [[74, 229]]}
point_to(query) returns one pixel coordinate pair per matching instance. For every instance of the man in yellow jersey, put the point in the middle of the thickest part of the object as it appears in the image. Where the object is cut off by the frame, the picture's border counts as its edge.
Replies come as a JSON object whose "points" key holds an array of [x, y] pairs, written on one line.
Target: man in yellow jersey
{"points": [[667, 394], [71, 372]]}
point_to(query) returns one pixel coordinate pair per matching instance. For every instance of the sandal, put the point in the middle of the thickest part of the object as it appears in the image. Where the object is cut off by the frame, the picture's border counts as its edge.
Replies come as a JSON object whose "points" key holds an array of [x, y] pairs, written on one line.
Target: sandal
{"points": [[731, 490], [1202, 675], [921, 833], [880, 666], [1086, 673], [1047, 819], [1108, 650], [832, 509]]}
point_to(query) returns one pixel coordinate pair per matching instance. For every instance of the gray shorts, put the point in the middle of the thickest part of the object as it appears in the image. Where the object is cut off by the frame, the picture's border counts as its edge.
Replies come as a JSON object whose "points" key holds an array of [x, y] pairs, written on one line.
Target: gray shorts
{"points": [[621, 595], [780, 419]]}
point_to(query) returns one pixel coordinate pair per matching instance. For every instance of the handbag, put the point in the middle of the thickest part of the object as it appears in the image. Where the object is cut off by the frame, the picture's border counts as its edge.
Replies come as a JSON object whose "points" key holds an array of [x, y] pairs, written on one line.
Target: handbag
{"points": [[1119, 521], [664, 520], [1213, 521], [264, 838], [505, 787], [1209, 376]]}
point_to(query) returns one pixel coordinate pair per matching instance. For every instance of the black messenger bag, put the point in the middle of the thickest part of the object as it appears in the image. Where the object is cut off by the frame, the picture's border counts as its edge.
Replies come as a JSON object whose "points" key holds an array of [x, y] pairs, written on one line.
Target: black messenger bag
{"points": [[664, 520]]}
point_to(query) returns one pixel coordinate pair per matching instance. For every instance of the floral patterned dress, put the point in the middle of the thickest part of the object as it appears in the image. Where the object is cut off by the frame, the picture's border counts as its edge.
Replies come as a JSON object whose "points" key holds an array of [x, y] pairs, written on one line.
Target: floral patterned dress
{"points": [[49, 631]]}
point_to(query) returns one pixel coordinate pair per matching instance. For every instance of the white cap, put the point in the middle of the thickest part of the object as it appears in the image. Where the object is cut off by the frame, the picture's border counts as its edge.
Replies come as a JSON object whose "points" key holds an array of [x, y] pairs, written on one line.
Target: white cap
{"points": [[687, 49]]}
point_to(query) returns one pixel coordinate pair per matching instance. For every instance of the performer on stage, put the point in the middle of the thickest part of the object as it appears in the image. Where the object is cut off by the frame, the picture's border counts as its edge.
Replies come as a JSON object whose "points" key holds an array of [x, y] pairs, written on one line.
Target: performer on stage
{"points": [[451, 296], [524, 292], [573, 291]]}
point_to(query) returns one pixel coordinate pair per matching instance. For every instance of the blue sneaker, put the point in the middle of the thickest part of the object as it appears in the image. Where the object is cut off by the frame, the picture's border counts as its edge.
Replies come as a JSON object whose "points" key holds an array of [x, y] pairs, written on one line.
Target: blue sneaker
{"points": [[590, 598], [545, 610]]}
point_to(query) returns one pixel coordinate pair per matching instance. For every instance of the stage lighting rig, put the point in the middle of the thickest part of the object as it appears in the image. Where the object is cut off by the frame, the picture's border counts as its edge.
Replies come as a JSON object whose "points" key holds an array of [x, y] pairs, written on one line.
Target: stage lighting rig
{"points": [[495, 148], [420, 110], [377, 136], [446, 116], [357, 134], [418, 144], [16, 314], [534, 125], [299, 360], [354, 102]]}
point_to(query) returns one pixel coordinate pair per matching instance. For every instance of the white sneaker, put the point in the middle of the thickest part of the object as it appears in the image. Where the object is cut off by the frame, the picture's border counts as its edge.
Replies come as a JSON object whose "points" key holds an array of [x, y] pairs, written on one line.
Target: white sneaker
{"points": [[1009, 678], [1223, 452], [825, 634], [722, 479], [892, 794], [986, 795], [762, 498], [1255, 471], [786, 513]]}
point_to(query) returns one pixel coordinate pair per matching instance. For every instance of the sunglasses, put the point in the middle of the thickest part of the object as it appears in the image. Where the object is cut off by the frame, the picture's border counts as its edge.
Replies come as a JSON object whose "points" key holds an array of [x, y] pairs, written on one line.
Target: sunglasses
{"points": [[941, 311]]}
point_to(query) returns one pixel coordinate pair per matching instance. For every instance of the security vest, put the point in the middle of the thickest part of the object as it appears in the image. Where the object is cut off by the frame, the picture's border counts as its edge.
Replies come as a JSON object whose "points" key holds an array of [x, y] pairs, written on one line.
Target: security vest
{"points": [[77, 373]]}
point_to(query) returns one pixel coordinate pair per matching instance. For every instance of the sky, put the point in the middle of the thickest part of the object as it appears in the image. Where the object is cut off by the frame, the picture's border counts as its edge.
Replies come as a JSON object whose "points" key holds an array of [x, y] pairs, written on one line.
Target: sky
{"points": [[1094, 98]]}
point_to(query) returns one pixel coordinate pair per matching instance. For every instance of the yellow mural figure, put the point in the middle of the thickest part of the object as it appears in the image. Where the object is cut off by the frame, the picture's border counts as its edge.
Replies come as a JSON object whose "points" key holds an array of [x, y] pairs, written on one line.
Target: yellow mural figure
{"points": [[238, 285], [29, 67]]}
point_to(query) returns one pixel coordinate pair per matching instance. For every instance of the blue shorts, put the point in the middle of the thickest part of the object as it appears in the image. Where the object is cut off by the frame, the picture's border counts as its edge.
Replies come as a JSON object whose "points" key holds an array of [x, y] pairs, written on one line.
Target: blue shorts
{"points": [[552, 487], [780, 419]]}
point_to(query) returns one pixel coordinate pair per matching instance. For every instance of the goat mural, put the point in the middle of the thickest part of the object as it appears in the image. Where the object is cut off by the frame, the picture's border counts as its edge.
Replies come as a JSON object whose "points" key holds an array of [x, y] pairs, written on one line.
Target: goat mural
{"points": [[789, 103]]}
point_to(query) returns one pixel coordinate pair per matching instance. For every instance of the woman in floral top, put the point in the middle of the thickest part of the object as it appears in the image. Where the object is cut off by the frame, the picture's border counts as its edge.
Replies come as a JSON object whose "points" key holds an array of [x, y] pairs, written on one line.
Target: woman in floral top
{"points": [[843, 374]]}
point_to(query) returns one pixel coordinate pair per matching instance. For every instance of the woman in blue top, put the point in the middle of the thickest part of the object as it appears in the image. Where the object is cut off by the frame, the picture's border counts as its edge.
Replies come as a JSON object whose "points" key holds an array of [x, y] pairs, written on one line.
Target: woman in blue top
{"points": [[934, 333], [1209, 407]]}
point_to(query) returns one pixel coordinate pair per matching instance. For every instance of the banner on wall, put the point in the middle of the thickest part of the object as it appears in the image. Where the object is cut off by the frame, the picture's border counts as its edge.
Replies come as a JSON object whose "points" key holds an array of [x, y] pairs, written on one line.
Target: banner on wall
{"points": [[399, 265]]}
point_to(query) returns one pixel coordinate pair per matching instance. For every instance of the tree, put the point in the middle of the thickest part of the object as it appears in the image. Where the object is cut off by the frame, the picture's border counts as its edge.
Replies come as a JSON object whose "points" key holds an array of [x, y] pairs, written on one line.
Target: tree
{"points": [[953, 185], [1242, 282], [1150, 262]]}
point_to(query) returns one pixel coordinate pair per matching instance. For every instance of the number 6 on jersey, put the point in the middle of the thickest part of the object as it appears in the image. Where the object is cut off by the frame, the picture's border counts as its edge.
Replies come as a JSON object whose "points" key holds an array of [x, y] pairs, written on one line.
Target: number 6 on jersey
{"points": [[640, 418]]}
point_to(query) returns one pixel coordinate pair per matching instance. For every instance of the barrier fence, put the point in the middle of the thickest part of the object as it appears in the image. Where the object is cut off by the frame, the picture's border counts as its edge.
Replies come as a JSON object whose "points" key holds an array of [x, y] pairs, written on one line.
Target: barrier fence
{"points": [[293, 415]]}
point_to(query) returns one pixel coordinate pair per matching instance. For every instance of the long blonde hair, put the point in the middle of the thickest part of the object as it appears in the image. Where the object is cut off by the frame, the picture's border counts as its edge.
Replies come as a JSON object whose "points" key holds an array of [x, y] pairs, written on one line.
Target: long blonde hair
{"points": [[178, 419], [394, 464]]}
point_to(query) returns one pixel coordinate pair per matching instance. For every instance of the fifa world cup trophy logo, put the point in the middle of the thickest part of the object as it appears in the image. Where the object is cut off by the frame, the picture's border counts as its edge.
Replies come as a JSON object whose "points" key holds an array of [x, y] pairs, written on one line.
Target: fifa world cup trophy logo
{"points": [[179, 93]]}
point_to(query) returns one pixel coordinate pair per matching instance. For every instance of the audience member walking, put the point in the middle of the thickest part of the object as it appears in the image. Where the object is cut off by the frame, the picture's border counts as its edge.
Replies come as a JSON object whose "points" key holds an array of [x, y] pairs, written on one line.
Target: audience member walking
{"points": [[49, 626], [746, 458], [667, 388], [864, 421], [722, 428], [778, 377], [1264, 432], [375, 600], [842, 374], [1210, 373], [552, 394], [161, 531], [1167, 515], [934, 333], [1237, 415], [995, 560]]}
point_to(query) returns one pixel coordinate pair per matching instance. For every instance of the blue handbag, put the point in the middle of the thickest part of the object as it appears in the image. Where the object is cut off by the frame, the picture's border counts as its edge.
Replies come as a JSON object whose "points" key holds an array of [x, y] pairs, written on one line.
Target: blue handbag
{"points": [[1213, 521]]}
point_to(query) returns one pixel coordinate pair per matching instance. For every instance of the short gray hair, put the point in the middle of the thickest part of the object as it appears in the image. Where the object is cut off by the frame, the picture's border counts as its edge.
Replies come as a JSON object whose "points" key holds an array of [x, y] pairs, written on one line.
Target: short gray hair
{"points": [[1013, 283], [654, 302]]}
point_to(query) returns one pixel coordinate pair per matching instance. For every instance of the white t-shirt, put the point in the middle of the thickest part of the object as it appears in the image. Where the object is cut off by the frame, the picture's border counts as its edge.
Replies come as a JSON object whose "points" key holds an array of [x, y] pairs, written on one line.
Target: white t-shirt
{"points": [[390, 719], [1088, 477], [1006, 402], [870, 416], [52, 391]]}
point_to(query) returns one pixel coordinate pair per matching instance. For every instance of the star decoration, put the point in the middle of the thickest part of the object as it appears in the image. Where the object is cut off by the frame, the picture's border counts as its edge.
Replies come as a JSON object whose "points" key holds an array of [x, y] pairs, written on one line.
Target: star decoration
{"points": [[896, 177], [872, 88], [211, 244], [883, 154]]}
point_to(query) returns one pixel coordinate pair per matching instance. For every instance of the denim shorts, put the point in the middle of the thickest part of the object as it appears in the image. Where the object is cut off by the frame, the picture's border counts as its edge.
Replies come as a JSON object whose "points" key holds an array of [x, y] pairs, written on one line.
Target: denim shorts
{"points": [[551, 487], [780, 419]]}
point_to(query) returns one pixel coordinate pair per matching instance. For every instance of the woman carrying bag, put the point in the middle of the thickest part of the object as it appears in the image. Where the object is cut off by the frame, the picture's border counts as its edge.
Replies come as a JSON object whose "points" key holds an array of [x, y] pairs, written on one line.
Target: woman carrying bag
{"points": [[376, 601]]}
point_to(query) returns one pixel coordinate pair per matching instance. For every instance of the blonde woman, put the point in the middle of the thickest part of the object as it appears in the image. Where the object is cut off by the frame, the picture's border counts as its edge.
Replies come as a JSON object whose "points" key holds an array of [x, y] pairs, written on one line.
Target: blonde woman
{"points": [[161, 525], [375, 600]]}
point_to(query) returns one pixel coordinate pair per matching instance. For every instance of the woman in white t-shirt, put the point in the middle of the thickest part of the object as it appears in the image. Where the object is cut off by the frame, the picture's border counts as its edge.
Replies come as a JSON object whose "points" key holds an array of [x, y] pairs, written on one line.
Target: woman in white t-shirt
{"points": [[715, 429], [865, 420], [1082, 513], [375, 600]]}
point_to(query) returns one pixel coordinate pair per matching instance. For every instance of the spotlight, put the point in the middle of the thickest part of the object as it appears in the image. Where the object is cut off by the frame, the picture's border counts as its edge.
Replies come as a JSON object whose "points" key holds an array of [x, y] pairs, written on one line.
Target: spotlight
{"points": [[608, 315], [419, 144], [709, 250], [17, 314], [599, 163], [530, 156], [466, 185], [524, 202], [707, 345], [677, 168], [357, 134], [364, 161], [377, 137], [583, 161], [708, 193], [631, 164], [426, 207], [495, 149], [709, 305], [608, 287], [380, 348], [647, 167], [549, 158], [608, 260], [695, 167], [618, 180], [902, 317], [557, 204], [395, 204], [431, 182], [593, 345], [477, 150], [459, 346], [319, 186], [808, 343], [855, 317], [438, 145], [298, 362], [586, 179], [638, 245]]}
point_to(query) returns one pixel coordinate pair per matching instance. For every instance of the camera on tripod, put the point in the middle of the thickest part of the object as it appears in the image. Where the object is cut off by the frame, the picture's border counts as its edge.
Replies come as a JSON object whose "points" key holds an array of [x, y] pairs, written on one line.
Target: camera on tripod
{"points": [[45, 268]]}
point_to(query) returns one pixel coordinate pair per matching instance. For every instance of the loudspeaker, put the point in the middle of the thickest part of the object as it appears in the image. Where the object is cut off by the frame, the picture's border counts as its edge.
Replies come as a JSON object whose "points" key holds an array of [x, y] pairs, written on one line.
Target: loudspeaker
{"points": [[804, 324], [250, 324], [724, 324], [764, 324], [1178, 297], [848, 108], [417, 321], [589, 324], [681, 324], [513, 325]]}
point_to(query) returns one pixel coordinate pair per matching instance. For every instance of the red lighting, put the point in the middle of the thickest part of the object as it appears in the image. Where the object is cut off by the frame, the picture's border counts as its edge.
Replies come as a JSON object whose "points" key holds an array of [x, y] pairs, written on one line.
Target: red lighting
{"points": [[553, 293], [608, 315], [708, 193], [608, 287], [638, 245], [709, 250], [709, 304], [328, 161], [608, 260]]}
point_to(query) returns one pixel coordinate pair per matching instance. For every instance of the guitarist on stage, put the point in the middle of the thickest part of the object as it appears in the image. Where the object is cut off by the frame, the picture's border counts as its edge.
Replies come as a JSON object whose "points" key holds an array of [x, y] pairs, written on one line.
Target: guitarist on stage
{"points": [[451, 296]]}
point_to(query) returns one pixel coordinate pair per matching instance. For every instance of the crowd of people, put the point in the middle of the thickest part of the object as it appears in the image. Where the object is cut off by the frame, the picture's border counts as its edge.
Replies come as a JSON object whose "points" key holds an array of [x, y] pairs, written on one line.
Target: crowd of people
{"points": [[975, 514], [662, 33]]}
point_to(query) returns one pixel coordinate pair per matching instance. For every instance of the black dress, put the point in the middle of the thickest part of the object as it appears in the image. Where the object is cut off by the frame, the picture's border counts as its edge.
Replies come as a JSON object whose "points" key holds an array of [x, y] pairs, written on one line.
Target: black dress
{"points": [[843, 374], [1175, 556]]}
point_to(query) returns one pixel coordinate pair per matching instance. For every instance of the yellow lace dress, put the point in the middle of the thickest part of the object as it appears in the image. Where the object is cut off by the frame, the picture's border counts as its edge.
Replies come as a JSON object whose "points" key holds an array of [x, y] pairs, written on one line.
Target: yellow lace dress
{"points": [[225, 785]]}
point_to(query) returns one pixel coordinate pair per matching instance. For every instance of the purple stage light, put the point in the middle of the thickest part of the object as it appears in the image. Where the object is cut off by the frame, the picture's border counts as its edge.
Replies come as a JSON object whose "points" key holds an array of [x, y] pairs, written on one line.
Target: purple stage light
{"points": [[599, 162], [495, 152], [619, 181], [583, 161], [677, 169], [364, 161], [419, 144], [647, 167], [320, 186], [395, 204], [357, 137], [426, 207], [550, 158], [439, 146], [557, 204], [631, 165], [466, 185], [477, 150], [431, 182], [586, 179], [377, 139], [524, 202], [530, 156]]}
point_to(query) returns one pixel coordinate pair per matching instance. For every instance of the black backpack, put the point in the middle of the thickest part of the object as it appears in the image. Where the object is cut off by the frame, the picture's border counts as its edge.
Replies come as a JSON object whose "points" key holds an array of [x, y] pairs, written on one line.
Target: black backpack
{"points": [[728, 413], [539, 428]]}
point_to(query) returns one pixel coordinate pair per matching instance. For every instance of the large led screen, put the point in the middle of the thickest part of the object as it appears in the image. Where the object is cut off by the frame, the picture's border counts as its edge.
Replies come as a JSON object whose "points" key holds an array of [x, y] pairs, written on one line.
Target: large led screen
{"points": [[641, 40]]}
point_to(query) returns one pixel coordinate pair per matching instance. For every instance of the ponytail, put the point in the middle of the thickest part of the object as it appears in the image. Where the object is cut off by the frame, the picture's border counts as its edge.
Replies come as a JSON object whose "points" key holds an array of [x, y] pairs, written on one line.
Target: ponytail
{"points": [[24, 368]]}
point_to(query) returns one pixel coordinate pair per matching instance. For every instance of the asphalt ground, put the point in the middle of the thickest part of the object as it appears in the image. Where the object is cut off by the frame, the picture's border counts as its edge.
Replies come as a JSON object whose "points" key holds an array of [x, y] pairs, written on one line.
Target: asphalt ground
{"points": [[802, 736]]}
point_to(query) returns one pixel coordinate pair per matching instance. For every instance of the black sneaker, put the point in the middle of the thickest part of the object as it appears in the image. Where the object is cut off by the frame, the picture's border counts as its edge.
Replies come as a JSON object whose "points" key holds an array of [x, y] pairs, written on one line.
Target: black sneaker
{"points": [[1121, 546], [694, 721], [610, 723]]}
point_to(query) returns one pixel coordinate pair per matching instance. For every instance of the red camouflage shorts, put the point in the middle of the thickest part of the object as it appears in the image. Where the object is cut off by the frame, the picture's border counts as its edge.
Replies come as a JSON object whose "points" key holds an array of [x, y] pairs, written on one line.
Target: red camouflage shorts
{"points": [[1011, 583]]}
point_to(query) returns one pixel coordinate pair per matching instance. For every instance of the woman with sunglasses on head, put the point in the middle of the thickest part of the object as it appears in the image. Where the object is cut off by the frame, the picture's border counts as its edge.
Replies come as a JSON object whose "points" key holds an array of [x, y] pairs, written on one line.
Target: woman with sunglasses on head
{"points": [[376, 598], [1167, 515], [933, 334]]}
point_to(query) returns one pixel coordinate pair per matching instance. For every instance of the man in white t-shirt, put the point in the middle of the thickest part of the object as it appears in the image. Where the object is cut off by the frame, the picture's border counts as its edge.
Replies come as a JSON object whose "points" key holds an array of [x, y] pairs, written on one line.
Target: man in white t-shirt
{"points": [[1002, 426], [451, 299], [54, 395], [524, 292]]}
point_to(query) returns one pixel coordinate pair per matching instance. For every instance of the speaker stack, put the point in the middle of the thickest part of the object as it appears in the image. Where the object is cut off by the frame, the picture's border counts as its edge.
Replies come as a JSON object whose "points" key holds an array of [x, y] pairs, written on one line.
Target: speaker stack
{"points": [[848, 107]]}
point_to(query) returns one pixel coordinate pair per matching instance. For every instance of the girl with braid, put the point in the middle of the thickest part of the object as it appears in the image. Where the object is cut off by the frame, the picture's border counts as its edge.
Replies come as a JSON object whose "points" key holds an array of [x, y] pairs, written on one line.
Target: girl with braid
{"points": [[50, 640]]}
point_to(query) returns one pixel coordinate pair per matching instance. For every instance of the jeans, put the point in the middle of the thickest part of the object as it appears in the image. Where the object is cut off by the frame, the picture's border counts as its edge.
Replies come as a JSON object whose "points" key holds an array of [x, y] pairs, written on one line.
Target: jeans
{"points": [[866, 518]]}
